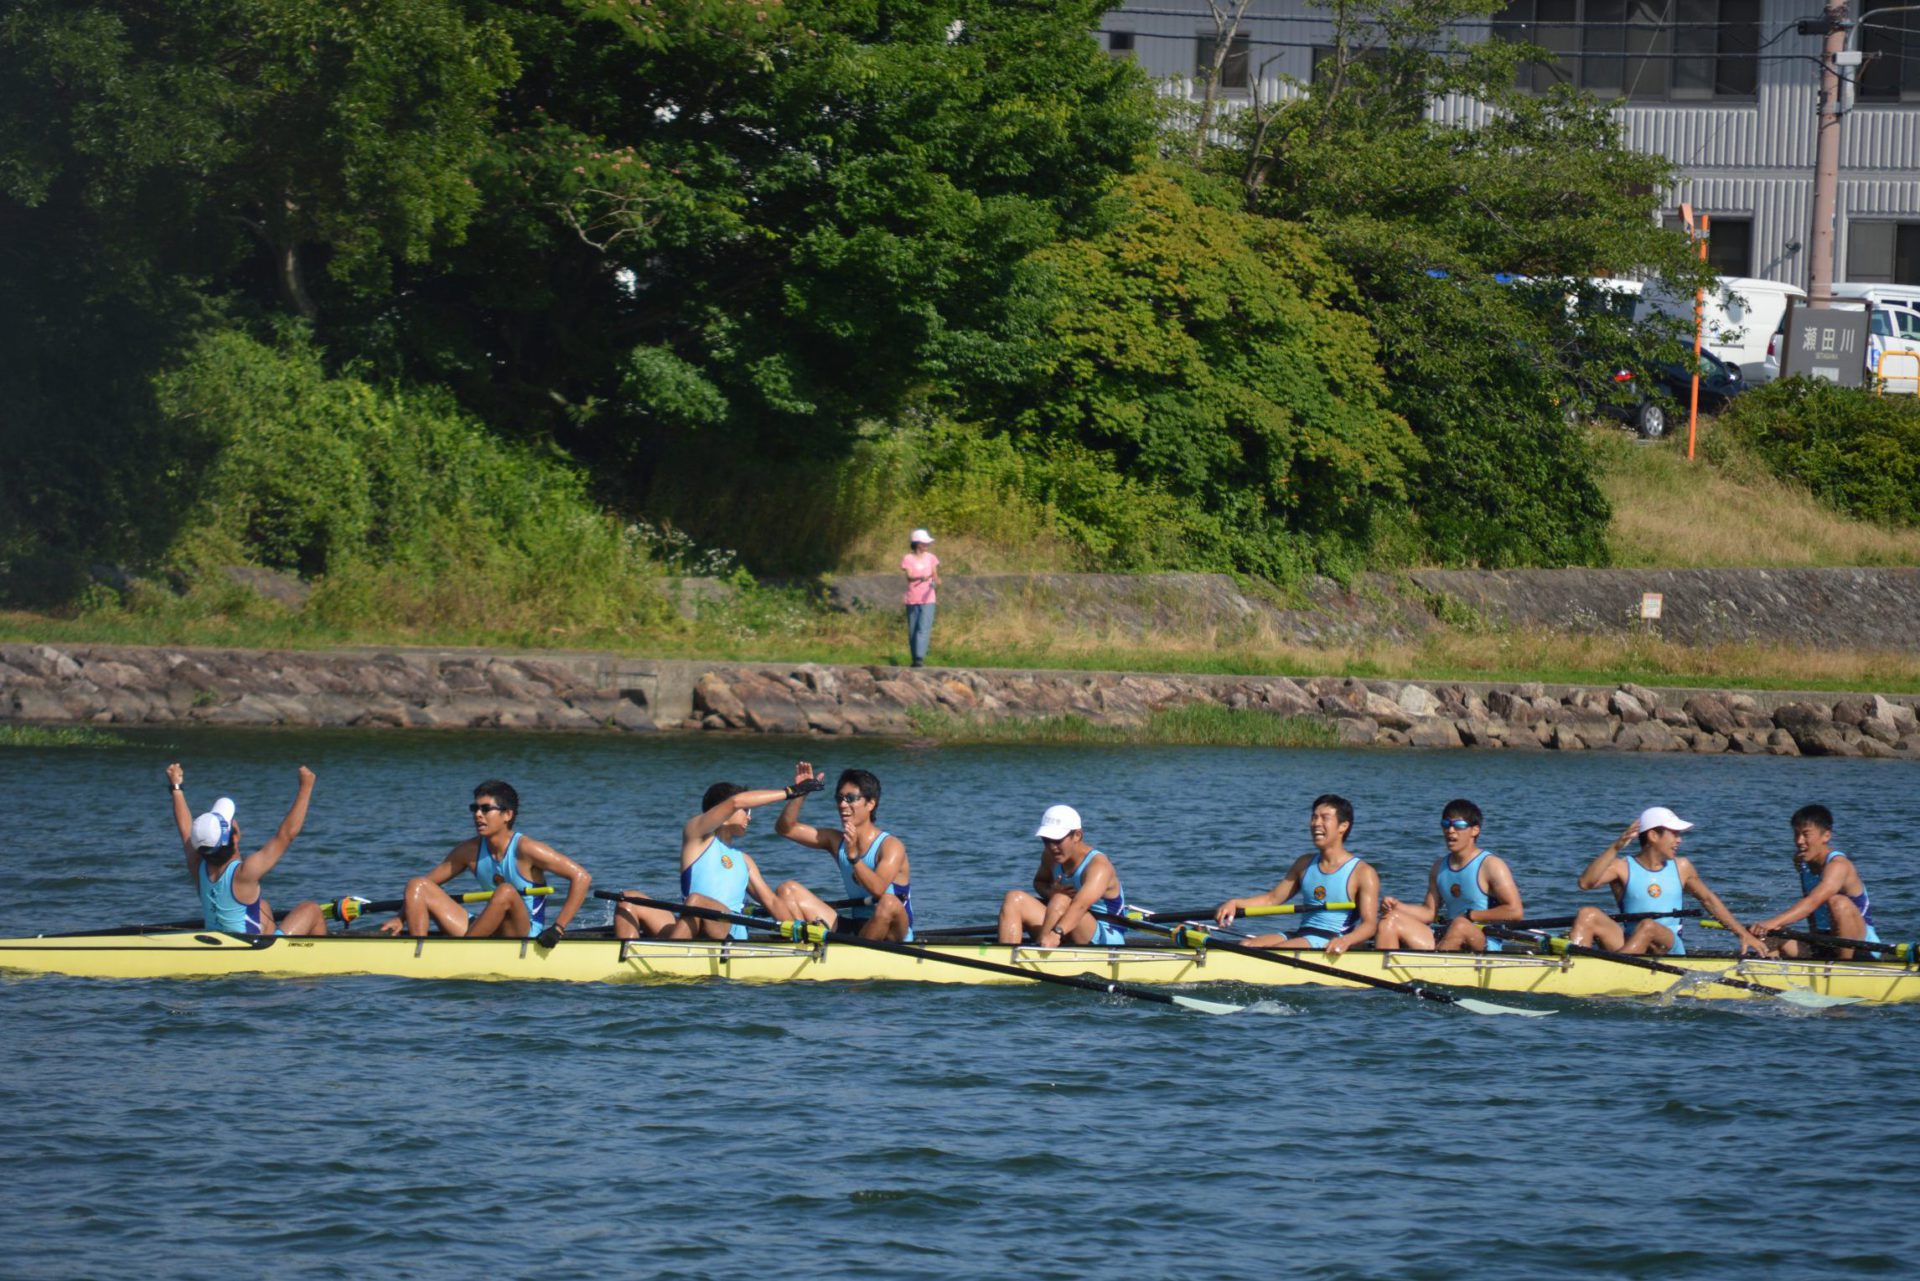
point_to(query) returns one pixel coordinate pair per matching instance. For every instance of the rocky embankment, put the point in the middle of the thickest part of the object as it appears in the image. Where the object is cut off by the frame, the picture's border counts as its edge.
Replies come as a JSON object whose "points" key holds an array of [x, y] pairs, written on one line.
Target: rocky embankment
{"points": [[438, 689]]}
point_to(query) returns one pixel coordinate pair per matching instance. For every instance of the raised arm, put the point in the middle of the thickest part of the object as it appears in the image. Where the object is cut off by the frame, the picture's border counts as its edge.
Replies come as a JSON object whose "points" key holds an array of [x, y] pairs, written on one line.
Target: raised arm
{"points": [[257, 864], [1690, 882], [701, 826], [1605, 867], [182, 815], [805, 782], [578, 879]]}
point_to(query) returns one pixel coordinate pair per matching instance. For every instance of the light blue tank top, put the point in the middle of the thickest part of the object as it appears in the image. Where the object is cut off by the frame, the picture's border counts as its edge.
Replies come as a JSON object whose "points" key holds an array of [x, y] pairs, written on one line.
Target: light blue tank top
{"points": [[1822, 918], [1655, 892], [1105, 933], [864, 912], [224, 911], [489, 871], [1461, 892], [1317, 887], [720, 873]]}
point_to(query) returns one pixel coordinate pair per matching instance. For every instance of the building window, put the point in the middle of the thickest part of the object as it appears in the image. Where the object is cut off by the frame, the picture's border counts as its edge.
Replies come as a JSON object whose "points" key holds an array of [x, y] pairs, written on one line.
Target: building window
{"points": [[1234, 71], [1883, 253], [1120, 43], [1891, 42], [1640, 50], [1729, 243]]}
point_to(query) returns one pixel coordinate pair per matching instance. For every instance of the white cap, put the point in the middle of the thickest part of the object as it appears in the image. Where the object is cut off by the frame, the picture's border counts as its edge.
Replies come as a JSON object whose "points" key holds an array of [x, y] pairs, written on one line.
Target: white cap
{"points": [[212, 830], [1057, 822], [1661, 816], [919, 536]]}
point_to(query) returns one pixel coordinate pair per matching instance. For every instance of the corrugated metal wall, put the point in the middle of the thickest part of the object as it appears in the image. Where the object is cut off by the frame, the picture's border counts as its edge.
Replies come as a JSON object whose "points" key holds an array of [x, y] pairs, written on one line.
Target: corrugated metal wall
{"points": [[1735, 159]]}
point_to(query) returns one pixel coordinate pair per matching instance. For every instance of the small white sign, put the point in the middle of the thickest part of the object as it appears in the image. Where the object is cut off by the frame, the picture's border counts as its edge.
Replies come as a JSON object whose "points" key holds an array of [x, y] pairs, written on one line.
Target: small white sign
{"points": [[1650, 603]]}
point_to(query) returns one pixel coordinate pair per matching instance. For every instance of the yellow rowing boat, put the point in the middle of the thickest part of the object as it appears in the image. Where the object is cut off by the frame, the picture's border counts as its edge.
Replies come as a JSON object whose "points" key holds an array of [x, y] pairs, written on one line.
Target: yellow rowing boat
{"points": [[193, 954]]}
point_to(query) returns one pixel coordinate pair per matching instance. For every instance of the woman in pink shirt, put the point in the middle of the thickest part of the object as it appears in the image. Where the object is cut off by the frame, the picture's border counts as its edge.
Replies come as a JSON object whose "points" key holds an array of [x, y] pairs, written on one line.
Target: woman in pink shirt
{"points": [[922, 568]]}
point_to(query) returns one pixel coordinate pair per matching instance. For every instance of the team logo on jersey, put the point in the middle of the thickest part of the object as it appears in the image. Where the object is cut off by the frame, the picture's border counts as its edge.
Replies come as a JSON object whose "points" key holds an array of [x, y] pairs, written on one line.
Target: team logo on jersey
{"points": [[1319, 893], [726, 861], [1454, 890], [1653, 891]]}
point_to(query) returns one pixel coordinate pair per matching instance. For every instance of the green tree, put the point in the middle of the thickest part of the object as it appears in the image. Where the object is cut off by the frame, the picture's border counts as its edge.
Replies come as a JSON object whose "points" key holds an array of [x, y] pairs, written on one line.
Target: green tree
{"points": [[1433, 217], [1206, 355], [180, 164]]}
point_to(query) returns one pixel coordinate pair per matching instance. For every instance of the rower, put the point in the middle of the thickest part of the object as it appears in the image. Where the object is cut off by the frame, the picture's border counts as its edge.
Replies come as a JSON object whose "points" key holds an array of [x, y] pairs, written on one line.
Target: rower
{"points": [[1466, 887], [714, 873], [1652, 880], [1075, 881], [504, 861], [1330, 874], [873, 864], [230, 889], [1833, 899]]}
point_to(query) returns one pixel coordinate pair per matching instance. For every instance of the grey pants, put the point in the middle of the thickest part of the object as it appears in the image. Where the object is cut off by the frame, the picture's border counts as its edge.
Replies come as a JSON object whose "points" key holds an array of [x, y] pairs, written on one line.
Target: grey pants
{"points": [[919, 631]]}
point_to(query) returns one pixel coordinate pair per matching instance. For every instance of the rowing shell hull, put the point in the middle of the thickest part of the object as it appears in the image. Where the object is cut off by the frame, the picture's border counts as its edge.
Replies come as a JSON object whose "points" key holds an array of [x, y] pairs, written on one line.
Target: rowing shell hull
{"points": [[189, 955]]}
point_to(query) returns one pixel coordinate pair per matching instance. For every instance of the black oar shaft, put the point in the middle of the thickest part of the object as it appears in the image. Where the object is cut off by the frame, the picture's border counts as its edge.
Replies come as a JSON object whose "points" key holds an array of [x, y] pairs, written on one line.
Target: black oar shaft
{"points": [[1085, 984], [1643, 962], [1279, 956]]}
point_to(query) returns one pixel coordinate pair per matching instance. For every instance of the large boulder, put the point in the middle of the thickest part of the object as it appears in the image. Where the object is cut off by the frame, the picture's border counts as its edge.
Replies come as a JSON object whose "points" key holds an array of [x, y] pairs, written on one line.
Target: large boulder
{"points": [[1710, 712]]}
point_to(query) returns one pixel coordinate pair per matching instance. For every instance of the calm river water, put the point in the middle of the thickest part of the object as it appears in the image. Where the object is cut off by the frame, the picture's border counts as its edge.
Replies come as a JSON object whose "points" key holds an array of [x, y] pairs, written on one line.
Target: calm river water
{"points": [[360, 1126]]}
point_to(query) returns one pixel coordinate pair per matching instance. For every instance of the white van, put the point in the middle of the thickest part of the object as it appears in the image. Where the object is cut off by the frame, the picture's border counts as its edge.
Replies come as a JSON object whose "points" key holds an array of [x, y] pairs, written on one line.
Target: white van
{"points": [[1878, 295], [1741, 315]]}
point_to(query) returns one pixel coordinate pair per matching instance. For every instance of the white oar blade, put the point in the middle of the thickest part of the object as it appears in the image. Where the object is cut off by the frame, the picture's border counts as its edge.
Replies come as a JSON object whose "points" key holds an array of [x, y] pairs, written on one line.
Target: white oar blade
{"points": [[1806, 1000], [1488, 1007], [1206, 1007]]}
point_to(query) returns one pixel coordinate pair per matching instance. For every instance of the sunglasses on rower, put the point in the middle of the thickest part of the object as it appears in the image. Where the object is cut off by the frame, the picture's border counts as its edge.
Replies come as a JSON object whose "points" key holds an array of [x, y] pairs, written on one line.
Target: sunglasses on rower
{"points": [[1454, 825], [848, 798], [478, 808]]}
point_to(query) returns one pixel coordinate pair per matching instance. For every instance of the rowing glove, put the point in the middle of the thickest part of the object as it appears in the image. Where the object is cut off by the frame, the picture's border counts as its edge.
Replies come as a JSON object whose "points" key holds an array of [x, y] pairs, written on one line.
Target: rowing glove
{"points": [[552, 935], [805, 787]]}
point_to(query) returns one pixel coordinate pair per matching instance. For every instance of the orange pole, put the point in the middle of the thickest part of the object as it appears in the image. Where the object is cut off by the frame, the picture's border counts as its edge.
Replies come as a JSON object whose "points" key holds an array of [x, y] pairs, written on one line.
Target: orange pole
{"points": [[1699, 318]]}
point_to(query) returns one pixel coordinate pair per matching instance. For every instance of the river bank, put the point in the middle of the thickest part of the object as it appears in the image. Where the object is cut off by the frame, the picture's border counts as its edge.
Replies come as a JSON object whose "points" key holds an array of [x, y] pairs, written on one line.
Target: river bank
{"points": [[594, 692]]}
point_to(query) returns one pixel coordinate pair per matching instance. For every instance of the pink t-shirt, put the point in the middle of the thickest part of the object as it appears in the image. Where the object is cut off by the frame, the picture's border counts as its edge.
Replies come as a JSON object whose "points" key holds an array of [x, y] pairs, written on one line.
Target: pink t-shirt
{"points": [[920, 566]]}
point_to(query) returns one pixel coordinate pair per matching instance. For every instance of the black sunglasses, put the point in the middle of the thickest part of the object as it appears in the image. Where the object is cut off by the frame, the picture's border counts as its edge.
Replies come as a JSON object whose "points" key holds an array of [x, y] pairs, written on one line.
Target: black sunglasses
{"points": [[848, 798], [478, 808]]}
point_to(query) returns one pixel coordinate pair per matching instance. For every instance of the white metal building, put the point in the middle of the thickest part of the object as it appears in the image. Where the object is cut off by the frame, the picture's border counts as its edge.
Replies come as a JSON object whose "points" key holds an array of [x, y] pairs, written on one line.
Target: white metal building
{"points": [[1726, 89]]}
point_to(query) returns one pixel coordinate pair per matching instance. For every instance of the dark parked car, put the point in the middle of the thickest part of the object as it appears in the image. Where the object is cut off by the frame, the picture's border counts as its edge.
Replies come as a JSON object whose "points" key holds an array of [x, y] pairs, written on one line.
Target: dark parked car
{"points": [[1650, 404]]}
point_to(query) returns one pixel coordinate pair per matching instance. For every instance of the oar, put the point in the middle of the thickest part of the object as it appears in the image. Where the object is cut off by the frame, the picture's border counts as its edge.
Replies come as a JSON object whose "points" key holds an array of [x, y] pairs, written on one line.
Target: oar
{"points": [[1198, 940], [1791, 995], [1896, 951], [1561, 922], [838, 905], [1271, 909], [808, 932], [1197, 914], [352, 906]]}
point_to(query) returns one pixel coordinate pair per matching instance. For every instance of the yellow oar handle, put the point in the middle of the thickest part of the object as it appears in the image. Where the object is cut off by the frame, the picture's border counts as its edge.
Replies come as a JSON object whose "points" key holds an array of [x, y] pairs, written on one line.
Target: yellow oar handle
{"points": [[1293, 909]]}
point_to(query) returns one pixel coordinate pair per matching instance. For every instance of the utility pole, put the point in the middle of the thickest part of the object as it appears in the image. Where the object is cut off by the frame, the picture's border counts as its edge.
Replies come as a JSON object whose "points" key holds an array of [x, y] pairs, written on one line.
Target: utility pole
{"points": [[1826, 153]]}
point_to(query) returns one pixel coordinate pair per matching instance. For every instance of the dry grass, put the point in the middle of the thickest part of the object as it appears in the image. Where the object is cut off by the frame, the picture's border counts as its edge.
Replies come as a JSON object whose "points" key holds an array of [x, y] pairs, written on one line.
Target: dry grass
{"points": [[1672, 514]]}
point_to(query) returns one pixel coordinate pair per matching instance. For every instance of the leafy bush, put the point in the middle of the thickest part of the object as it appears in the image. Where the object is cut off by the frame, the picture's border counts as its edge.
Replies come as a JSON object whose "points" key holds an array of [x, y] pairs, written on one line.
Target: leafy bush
{"points": [[1858, 452], [1205, 357], [406, 510]]}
